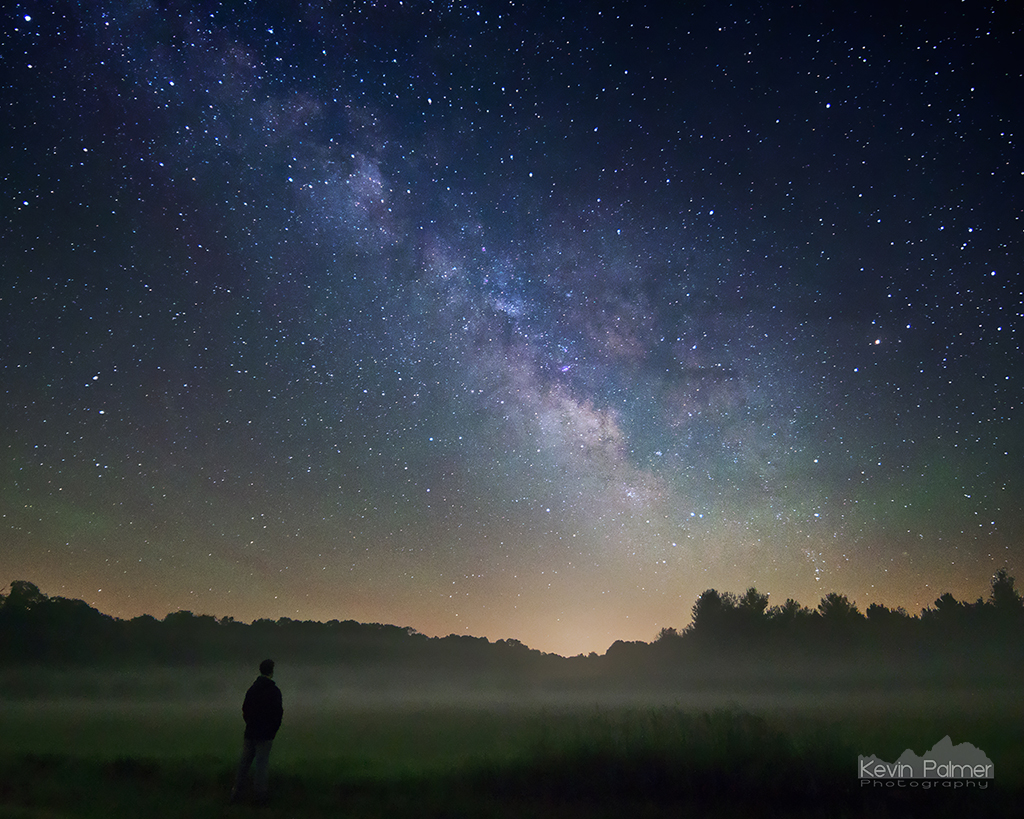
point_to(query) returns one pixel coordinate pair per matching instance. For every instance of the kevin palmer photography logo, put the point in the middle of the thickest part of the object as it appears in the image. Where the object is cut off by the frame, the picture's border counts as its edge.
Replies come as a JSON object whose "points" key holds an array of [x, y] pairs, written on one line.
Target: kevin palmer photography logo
{"points": [[944, 766]]}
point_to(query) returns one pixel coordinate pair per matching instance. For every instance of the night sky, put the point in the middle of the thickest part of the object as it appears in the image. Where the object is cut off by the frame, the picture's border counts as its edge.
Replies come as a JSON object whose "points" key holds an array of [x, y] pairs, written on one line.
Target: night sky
{"points": [[523, 320]]}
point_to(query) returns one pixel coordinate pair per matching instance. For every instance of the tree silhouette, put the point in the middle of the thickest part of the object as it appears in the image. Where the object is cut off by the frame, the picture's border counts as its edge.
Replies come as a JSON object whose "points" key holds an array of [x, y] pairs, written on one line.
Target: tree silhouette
{"points": [[712, 615], [839, 623], [837, 608], [890, 631], [750, 621], [791, 612], [1004, 597], [753, 603], [878, 614], [948, 608], [23, 596]]}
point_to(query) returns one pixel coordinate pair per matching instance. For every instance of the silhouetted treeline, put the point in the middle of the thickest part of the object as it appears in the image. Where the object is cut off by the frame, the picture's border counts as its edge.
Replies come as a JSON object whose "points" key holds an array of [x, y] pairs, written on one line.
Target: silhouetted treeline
{"points": [[949, 641], [36, 628], [731, 637]]}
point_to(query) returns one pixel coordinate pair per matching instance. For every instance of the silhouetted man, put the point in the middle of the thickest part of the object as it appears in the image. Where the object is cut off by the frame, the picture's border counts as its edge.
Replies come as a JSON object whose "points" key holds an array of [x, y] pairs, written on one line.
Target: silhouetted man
{"points": [[262, 710]]}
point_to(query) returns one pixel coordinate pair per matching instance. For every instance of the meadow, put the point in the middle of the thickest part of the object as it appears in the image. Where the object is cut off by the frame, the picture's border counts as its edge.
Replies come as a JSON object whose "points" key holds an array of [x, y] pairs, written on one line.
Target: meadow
{"points": [[164, 744]]}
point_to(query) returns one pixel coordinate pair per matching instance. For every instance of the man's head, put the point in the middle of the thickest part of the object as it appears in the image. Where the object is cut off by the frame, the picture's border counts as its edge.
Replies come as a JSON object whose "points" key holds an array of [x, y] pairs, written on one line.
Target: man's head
{"points": [[267, 668]]}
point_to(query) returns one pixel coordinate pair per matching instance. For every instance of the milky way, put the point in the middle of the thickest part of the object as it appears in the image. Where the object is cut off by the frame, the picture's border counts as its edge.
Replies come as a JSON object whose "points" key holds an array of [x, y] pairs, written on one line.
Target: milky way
{"points": [[511, 320]]}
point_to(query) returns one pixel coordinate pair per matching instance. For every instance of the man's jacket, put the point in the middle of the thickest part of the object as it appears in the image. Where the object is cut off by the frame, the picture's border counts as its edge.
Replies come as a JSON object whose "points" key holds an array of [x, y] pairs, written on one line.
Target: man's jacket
{"points": [[262, 709]]}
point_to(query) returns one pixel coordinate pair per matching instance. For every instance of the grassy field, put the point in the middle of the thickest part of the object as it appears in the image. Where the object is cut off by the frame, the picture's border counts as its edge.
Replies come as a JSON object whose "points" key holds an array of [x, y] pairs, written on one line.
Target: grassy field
{"points": [[399, 757]]}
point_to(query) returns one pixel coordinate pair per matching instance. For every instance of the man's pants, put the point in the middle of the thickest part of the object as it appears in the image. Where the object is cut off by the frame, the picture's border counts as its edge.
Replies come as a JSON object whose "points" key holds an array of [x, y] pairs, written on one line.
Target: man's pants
{"points": [[255, 754]]}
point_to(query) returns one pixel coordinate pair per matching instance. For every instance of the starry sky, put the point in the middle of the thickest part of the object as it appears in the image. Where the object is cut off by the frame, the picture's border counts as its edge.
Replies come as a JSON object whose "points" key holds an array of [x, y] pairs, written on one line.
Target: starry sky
{"points": [[521, 320]]}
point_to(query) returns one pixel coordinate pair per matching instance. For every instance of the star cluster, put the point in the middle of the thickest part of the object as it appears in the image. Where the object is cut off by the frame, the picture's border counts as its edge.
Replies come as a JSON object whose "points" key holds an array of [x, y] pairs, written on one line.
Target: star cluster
{"points": [[511, 319]]}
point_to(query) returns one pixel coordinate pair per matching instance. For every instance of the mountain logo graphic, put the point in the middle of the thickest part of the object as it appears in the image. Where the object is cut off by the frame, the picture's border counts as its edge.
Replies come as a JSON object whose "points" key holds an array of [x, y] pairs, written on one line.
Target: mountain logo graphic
{"points": [[944, 761]]}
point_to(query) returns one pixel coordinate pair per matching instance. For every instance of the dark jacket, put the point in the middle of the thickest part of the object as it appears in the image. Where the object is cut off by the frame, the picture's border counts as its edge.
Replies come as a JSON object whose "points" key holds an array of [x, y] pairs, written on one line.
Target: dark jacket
{"points": [[262, 709]]}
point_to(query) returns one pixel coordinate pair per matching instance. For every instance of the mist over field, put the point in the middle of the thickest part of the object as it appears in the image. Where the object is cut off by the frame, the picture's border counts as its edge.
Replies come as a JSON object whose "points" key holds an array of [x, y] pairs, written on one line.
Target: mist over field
{"points": [[311, 688]]}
